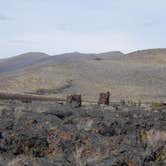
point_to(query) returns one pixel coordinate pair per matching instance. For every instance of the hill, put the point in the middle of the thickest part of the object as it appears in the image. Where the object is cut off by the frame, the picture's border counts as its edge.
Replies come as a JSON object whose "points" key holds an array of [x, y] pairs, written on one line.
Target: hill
{"points": [[32, 59], [148, 56], [136, 76], [21, 61], [148, 52]]}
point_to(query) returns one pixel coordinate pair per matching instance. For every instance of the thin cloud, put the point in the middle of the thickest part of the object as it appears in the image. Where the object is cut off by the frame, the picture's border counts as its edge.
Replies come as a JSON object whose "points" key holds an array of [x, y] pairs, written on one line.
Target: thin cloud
{"points": [[64, 27], [22, 42], [4, 17]]}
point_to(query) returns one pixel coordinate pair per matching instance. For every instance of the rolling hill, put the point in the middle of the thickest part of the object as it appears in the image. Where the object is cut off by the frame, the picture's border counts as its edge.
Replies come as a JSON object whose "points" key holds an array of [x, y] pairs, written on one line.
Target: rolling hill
{"points": [[154, 56], [21, 61], [139, 75], [32, 59]]}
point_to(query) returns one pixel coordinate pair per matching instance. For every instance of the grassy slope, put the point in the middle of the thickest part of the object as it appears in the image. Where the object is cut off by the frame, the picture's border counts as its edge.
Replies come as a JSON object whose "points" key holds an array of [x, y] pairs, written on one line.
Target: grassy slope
{"points": [[135, 76]]}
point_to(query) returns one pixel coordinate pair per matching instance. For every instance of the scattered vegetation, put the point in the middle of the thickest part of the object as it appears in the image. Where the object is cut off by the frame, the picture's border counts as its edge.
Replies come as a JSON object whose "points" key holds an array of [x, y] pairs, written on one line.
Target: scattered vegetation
{"points": [[159, 104]]}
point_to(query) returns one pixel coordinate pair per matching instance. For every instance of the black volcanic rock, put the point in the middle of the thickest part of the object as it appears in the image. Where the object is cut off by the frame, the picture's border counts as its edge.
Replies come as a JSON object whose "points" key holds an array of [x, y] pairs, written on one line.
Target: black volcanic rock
{"points": [[83, 136]]}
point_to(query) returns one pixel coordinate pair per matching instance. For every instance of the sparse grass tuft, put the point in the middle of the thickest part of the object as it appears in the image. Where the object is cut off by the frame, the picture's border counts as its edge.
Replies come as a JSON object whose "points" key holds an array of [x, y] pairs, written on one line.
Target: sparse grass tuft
{"points": [[156, 105]]}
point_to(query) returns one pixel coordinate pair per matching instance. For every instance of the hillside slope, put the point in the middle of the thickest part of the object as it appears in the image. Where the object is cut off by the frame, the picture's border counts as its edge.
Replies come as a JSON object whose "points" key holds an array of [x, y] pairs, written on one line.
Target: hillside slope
{"points": [[127, 77], [148, 56], [21, 61], [34, 59]]}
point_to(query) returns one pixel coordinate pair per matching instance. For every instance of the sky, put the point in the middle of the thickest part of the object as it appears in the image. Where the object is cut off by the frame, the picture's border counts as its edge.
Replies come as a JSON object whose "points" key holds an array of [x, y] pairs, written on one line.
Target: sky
{"points": [[59, 26]]}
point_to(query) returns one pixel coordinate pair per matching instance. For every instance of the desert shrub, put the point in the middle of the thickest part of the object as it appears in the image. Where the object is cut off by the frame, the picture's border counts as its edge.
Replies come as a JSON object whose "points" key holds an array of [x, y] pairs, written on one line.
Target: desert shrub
{"points": [[122, 102], [157, 104], [139, 103]]}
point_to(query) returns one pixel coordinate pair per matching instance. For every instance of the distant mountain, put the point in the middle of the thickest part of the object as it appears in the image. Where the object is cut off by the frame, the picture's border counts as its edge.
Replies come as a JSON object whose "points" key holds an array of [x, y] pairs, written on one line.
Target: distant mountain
{"points": [[21, 61], [37, 59]]}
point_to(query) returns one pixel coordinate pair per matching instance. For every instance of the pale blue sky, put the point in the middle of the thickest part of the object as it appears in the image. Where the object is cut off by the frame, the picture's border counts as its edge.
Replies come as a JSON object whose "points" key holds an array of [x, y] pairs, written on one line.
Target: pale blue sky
{"points": [[58, 26]]}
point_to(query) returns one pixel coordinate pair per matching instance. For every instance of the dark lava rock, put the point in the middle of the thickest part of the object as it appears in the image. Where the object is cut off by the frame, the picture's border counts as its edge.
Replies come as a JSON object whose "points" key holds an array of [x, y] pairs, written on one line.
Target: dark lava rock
{"points": [[67, 136]]}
